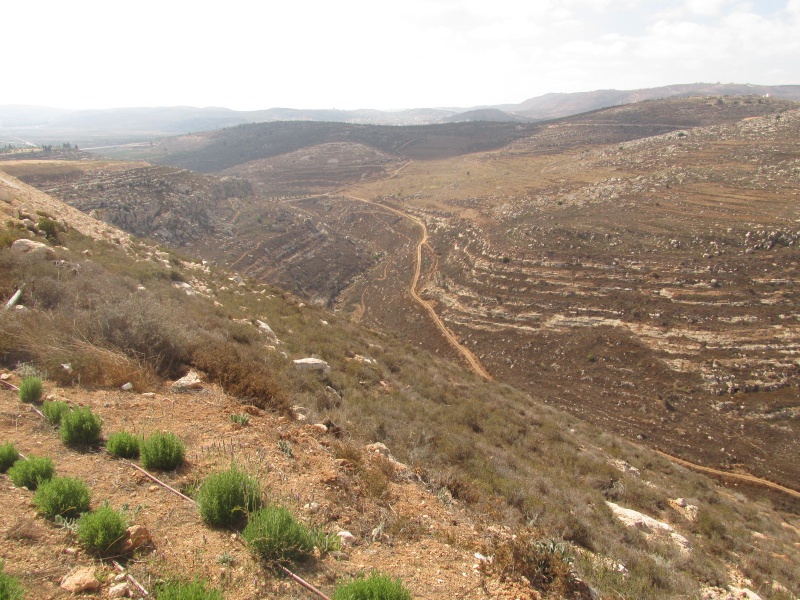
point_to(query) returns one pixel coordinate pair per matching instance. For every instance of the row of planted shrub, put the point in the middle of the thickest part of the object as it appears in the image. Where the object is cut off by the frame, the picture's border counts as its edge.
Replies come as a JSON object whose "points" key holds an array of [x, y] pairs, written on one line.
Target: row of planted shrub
{"points": [[230, 498]]}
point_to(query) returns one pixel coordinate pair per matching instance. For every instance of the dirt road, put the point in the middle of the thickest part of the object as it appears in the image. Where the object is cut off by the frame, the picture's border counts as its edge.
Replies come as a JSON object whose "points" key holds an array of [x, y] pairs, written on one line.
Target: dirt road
{"points": [[471, 359]]}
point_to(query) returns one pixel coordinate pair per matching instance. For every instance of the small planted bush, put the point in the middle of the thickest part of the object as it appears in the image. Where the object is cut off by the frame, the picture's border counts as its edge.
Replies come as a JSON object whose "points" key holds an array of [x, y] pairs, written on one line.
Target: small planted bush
{"points": [[30, 389], [80, 427], [10, 589], [181, 590], [227, 497], [375, 587], [8, 456], [30, 473], [55, 410], [103, 530], [163, 451], [123, 444], [62, 496], [274, 535], [240, 419]]}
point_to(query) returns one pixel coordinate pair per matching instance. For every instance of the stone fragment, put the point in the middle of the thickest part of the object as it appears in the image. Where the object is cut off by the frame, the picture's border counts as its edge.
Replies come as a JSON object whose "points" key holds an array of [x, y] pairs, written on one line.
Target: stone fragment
{"points": [[312, 364], [80, 579], [118, 591], [136, 536], [347, 538], [190, 381], [126, 387]]}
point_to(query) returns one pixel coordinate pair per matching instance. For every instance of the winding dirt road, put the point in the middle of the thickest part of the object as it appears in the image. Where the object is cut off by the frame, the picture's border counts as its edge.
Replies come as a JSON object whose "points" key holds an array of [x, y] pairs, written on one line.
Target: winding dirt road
{"points": [[731, 475], [471, 359]]}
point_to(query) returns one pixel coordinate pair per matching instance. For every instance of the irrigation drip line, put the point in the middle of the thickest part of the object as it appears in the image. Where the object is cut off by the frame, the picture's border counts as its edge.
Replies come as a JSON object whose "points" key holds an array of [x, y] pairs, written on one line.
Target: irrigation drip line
{"points": [[130, 577], [296, 578]]}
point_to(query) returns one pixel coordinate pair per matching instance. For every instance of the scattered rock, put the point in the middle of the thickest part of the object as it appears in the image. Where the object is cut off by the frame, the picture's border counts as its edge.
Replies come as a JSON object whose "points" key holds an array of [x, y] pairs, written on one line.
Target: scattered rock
{"points": [[190, 381], [312, 364], [321, 427], [127, 387], [80, 580]]}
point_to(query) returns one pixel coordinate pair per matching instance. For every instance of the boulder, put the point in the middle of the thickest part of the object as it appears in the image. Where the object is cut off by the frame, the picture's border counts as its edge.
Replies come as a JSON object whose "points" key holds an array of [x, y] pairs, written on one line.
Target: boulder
{"points": [[267, 330], [25, 246], [648, 525], [312, 364], [80, 580], [190, 381]]}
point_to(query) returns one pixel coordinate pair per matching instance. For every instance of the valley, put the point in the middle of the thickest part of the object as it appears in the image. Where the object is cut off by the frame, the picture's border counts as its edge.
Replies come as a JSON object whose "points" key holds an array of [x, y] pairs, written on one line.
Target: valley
{"points": [[636, 266]]}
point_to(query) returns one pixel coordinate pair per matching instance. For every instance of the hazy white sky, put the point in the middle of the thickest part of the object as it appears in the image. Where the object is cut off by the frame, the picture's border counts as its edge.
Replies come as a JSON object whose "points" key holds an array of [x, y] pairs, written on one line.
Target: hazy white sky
{"points": [[381, 54]]}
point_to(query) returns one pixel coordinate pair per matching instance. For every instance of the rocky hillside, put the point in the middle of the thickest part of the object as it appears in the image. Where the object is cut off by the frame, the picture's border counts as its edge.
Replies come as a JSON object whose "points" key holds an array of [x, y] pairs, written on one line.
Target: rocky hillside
{"points": [[460, 487]]}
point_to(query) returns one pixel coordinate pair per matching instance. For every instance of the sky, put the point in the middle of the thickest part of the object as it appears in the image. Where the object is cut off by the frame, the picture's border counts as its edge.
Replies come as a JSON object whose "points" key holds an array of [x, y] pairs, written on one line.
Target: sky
{"points": [[349, 54]]}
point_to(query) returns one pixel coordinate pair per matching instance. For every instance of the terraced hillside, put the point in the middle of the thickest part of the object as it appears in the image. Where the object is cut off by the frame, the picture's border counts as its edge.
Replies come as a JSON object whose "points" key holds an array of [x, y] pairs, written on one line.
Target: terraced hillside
{"points": [[650, 286]]}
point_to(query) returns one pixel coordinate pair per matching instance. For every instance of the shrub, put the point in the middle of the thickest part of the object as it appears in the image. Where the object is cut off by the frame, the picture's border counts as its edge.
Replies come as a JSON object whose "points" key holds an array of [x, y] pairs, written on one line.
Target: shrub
{"points": [[103, 530], [62, 496], [240, 372], [55, 410], [162, 450], [80, 427], [123, 444], [8, 456], [225, 498], [376, 587], [545, 563], [195, 590], [30, 473], [50, 228], [10, 589], [30, 389], [274, 535]]}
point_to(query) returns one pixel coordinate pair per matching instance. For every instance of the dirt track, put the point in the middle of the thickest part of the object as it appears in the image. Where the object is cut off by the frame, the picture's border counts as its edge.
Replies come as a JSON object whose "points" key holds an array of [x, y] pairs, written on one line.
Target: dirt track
{"points": [[471, 359]]}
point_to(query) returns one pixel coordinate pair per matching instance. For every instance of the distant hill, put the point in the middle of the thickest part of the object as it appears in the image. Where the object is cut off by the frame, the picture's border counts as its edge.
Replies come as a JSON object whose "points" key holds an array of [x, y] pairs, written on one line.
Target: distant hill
{"points": [[490, 115], [553, 106], [44, 125]]}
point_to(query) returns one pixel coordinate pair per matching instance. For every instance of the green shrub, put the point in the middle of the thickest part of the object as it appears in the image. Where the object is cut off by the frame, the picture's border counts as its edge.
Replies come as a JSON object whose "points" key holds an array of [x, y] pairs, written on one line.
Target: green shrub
{"points": [[30, 473], [50, 228], [62, 496], [180, 590], [8, 456], [55, 410], [227, 497], [123, 444], [80, 427], [10, 589], [162, 450], [30, 389], [274, 535], [103, 530], [376, 587]]}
